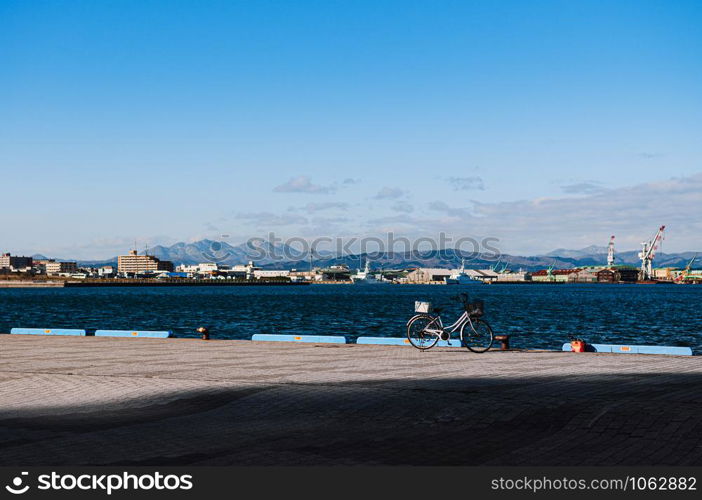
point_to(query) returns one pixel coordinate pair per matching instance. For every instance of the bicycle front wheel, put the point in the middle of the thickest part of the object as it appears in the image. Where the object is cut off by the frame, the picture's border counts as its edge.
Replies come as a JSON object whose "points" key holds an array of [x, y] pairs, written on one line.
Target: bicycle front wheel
{"points": [[420, 334], [476, 335]]}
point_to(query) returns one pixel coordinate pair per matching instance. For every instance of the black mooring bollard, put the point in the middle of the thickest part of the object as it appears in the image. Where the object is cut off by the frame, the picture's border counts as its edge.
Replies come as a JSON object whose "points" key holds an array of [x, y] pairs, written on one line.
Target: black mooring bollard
{"points": [[204, 332], [504, 342]]}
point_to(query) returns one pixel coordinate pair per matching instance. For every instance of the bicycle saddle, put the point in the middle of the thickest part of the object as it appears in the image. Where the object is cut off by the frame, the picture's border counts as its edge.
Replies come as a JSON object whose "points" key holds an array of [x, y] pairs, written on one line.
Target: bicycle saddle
{"points": [[437, 310]]}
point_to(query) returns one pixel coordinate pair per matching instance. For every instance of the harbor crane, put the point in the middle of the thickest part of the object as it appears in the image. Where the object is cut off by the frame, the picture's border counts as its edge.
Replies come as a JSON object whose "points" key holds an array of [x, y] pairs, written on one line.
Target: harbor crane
{"points": [[549, 271], [684, 276], [648, 252], [494, 267], [610, 252]]}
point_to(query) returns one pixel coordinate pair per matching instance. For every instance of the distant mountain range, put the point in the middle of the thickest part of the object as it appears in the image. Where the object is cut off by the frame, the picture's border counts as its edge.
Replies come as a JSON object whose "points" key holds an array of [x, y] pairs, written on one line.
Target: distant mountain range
{"points": [[592, 250], [260, 252]]}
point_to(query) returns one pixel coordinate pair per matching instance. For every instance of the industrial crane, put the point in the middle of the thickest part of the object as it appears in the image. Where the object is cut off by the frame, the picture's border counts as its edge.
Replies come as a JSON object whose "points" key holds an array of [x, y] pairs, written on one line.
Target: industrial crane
{"points": [[648, 252], [686, 273], [610, 252], [494, 268], [549, 271]]}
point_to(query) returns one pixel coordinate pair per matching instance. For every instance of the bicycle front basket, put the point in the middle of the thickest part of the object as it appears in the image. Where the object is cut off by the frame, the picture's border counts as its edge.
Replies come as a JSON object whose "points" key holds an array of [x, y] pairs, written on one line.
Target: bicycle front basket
{"points": [[422, 307], [476, 308]]}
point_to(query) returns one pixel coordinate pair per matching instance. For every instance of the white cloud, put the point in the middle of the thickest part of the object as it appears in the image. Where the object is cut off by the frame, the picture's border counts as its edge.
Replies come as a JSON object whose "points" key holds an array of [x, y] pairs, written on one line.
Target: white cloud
{"points": [[529, 226], [631, 213], [542, 224], [587, 187], [441, 206], [303, 184], [389, 193]]}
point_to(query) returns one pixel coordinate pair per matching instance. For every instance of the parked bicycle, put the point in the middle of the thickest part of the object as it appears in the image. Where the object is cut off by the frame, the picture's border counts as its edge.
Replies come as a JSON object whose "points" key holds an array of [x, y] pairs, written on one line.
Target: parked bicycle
{"points": [[426, 328]]}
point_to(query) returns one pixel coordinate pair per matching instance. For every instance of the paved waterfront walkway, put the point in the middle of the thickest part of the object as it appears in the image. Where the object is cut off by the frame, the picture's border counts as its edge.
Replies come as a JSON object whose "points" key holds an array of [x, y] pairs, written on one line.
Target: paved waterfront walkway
{"points": [[169, 402]]}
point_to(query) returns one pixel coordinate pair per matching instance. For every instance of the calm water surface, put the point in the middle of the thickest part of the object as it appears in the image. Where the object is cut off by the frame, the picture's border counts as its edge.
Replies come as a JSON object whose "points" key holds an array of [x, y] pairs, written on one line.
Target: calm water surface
{"points": [[538, 316]]}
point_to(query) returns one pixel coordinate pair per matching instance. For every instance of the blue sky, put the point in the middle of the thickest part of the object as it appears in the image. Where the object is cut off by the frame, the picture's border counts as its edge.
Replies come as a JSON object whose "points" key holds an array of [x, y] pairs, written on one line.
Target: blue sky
{"points": [[546, 124]]}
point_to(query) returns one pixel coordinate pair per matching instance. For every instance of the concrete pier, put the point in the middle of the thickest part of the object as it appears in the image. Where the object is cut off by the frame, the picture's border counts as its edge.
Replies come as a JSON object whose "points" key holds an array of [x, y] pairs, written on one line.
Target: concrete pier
{"points": [[99, 401]]}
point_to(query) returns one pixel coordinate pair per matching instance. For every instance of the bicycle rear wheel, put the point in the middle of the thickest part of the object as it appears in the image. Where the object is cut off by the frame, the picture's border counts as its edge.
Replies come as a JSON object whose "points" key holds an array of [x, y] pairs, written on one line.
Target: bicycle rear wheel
{"points": [[417, 332], [476, 335]]}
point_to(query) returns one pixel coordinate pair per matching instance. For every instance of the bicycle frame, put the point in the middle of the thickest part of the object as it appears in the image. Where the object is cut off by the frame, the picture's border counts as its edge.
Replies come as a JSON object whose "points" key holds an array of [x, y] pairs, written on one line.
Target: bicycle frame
{"points": [[452, 328]]}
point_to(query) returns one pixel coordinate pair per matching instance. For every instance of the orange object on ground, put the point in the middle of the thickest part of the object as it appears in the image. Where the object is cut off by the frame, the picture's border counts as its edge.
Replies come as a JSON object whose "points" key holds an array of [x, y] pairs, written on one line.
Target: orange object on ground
{"points": [[577, 346]]}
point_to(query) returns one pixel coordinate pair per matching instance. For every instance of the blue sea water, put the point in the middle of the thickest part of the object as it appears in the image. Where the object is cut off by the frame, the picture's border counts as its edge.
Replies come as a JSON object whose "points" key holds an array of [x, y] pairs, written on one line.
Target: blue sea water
{"points": [[537, 316]]}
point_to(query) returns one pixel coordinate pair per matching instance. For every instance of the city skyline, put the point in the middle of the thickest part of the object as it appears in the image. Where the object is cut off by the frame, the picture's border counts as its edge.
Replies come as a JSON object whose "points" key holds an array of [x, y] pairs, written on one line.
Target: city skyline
{"points": [[546, 125]]}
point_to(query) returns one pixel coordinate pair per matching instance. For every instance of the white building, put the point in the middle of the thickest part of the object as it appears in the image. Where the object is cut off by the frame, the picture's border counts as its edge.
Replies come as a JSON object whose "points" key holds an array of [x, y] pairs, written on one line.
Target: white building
{"points": [[208, 267], [15, 263], [520, 276], [429, 275], [54, 268], [106, 272], [201, 268], [481, 274], [270, 273]]}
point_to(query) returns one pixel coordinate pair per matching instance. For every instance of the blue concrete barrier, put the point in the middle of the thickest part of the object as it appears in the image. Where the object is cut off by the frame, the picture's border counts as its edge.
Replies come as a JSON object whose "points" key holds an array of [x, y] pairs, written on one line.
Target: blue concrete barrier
{"points": [[636, 349], [134, 333], [383, 341], [46, 331], [674, 350], [403, 341], [317, 339]]}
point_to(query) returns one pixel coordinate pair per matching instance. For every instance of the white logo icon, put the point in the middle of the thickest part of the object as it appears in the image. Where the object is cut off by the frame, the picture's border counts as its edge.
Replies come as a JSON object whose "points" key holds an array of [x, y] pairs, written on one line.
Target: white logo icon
{"points": [[17, 482]]}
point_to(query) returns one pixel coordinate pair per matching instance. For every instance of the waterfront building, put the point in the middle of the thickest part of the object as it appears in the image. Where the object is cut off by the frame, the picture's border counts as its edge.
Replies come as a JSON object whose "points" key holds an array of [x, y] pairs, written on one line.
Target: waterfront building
{"points": [[208, 267], [485, 275], [427, 275], [583, 276], [271, 273], [628, 274], [617, 274], [106, 272], [313, 275], [15, 263], [53, 268], [135, 263], [201, 268], [239, 271], [189, 270], [693, 276], [666, 273], [519, 276], [555, 275], [39, 266], [607, 276], [336, 273]]}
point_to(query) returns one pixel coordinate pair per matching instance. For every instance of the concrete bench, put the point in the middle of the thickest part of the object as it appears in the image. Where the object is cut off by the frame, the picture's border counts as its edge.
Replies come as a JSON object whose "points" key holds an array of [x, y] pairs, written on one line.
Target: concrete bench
{"points": [[46, 331], [636, 349], [134, 333], [403, 341], [317, 339]]}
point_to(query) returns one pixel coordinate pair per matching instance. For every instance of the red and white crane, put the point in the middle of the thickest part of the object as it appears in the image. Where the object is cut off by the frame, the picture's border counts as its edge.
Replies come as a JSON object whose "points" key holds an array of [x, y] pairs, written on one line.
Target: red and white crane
{"points": [[610, 252], [648, 252]]}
